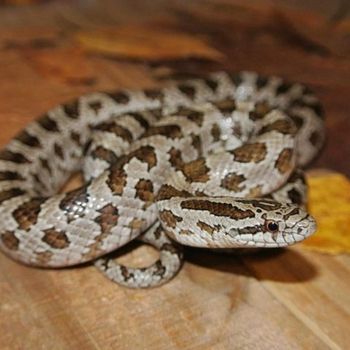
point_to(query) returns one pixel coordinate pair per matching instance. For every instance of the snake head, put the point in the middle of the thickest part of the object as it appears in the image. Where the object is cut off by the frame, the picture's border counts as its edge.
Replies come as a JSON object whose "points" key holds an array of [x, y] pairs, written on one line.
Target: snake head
{"points": [[275, 224]]}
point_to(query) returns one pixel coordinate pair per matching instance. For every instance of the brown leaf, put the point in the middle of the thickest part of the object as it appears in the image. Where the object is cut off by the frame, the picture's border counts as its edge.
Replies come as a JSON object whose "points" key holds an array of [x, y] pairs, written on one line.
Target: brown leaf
{"points": [[146, 43], [67, 65]]}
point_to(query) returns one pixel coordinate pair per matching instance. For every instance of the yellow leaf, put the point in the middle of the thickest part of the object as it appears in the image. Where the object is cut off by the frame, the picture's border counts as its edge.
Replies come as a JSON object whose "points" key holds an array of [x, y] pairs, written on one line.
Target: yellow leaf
{"points": [[146, 43], [329, 203]]}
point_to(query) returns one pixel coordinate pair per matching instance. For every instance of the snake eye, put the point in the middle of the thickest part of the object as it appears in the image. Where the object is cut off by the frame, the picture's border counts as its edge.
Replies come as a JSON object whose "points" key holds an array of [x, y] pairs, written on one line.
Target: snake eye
{"points": [[271, 226]]}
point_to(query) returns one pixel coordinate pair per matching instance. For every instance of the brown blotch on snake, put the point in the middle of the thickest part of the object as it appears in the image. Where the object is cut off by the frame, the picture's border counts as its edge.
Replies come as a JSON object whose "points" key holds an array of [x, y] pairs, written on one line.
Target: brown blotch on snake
{"points": [[187, 90], [196, 171], [13, 157], [27, 214], [55, 239], [168, 191], [219, 209], [232, 182], [169, 218], [27, 139], [226, 106], [48, 124], [194, 115], [9, 240], [108, 218], [115, 129], [10, 175], [171, 131], [119, 97], [284, 162], [205, 227], [117, 180], [72, 109], [11, 193], [250, 152], [283, 126], [105, 154], [144, 190]]}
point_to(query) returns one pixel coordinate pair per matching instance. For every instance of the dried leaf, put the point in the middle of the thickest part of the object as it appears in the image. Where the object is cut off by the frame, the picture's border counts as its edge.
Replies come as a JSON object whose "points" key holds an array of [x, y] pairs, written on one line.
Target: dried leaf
{"points": [[66, 65], [146, 43], [329, 203]]}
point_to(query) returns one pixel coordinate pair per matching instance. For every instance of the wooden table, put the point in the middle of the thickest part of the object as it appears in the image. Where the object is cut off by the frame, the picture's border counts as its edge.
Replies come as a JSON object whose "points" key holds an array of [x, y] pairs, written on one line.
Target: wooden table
{"points": [[278, 299]]}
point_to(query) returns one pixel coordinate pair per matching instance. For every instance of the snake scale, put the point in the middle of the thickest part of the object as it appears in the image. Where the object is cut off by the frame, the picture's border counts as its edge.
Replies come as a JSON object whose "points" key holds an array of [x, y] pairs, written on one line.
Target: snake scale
{"points": [[210, 162]]}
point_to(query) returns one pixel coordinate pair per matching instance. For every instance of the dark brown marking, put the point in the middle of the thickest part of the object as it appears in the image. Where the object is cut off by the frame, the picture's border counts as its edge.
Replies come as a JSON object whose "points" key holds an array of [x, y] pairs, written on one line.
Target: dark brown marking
{"points": [[227, 106], [218, 209], [195, 116], [282, 125], [104, 154], [10, 175], [27, 213], [126, 273], [284, 162], [186, 232], [232, 182], [196, 171], [295, 196], [167, 192], [115, 129], [197, 144], [169, 218], [295, 211], [27, 139], [119, 97], [95, 106], [160, 269], [250, 152], [188, 90], [282, 88], [145, 154], [76, 138], [260, 110], [72, 109], [171, 248], [298, 121], [215, 132], [212, 84], [175, 158], [117, 180], [236, 78], [170, 131], [251, 229], [315, 138], [261, 82], [154, 94], [58, 151], [9, 240], [205, 227], [13, 157], [55, 239], [48, 124], [45, 164], [268, 205], [141, 119], [108, 218], [11, 193], [144, 190]]}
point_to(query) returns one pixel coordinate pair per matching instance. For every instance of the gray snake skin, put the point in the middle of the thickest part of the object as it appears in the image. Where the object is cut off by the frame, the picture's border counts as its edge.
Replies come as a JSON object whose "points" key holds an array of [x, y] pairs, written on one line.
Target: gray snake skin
{"points": [[210, 162]]}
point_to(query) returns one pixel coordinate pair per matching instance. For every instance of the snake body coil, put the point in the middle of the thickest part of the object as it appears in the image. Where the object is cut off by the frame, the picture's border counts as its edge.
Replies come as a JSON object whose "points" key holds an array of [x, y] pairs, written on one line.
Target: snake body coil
{"points": [[213, 160]]}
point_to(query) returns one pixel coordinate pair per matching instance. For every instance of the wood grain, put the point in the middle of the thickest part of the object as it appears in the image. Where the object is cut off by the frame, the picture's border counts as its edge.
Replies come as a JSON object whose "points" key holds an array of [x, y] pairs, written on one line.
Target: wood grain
{"points": [[278, 299]]}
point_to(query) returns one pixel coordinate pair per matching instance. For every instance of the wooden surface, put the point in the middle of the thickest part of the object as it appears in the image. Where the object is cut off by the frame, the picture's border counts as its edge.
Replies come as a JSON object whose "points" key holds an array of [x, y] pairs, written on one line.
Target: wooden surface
{"points": [[278, 299]]}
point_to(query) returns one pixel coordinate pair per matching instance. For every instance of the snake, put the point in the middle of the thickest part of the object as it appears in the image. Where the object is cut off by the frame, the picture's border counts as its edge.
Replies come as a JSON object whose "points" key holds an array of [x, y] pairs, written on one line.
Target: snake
{"points": [[213, 162]]}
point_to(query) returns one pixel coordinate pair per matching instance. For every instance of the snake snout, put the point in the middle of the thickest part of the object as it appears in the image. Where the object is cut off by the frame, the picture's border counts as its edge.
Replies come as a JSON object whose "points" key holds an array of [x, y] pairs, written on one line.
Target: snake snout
{"points": [[305, 228]]}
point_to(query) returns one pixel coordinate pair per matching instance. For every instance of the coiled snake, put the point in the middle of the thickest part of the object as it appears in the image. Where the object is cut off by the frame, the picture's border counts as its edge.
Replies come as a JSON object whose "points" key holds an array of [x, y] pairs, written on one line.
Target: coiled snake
{"points": [[212, 162]]}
